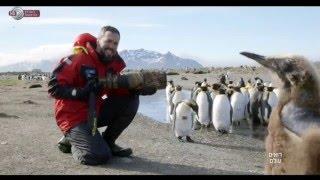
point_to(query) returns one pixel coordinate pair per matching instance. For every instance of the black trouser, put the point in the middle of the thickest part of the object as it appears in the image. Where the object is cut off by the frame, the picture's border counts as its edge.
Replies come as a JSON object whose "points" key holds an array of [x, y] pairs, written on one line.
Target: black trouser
{"points": [[116, 113]]}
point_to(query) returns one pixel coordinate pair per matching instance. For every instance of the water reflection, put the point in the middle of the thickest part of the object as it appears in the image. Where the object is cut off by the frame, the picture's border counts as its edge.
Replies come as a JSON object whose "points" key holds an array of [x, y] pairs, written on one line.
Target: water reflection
{"points": [[155, 106]]}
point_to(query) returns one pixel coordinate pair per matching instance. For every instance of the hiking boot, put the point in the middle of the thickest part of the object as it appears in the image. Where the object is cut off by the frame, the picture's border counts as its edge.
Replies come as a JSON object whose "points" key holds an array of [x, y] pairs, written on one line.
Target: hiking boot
{"points": [[120, 151], [64, 145]]}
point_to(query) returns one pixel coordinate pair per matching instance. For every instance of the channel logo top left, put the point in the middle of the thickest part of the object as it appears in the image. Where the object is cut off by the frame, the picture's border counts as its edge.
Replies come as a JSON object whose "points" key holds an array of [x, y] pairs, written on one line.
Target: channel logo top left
{"points": [[18, 13]]}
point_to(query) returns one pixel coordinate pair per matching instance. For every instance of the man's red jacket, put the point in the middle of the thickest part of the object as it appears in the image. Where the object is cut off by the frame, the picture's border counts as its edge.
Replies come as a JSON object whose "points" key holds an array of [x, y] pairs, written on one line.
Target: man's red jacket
{"points": [[70, 112]]}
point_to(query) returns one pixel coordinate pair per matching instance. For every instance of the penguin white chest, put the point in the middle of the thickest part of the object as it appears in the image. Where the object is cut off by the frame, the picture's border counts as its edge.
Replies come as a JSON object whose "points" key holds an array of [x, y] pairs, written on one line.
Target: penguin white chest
{"points": [[203, 105], [183, 120], [238, 106], [245, 94], [251, 91], [177, 97], [221, 112], [169, 88]]}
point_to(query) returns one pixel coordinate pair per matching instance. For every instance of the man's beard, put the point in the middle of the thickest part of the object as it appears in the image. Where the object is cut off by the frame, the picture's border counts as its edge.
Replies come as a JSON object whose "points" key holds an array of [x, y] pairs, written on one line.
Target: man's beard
{"points": [[105, 58]]}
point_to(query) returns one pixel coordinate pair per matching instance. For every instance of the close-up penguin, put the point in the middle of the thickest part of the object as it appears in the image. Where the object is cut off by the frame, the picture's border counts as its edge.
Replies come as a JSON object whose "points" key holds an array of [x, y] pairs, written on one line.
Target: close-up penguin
{"points": [[294, 126], [182, 119]]}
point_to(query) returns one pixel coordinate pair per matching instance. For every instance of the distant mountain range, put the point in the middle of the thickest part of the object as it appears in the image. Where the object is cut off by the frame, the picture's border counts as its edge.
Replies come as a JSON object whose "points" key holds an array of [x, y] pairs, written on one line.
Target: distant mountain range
{"points": [[135, 59]]}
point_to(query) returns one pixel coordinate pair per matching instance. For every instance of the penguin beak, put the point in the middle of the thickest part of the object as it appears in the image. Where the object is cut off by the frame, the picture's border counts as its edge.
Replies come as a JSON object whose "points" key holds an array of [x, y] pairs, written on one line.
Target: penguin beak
{"points": [[273, 64], [258, 58]]}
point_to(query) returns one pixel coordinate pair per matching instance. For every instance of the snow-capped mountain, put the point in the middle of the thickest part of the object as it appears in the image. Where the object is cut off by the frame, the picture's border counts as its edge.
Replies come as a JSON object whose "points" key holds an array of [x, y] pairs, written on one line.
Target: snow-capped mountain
{"points": [[135, 59], [145, 59]]}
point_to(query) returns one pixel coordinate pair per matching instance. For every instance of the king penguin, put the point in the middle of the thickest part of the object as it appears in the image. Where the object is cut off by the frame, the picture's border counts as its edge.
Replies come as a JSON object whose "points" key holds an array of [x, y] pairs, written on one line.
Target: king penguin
{"points": [[269, 101], [221, 112], [176, 97], [238, 105], [246, 95], [169, 91], [205, 83], [255, 95], [195, 90], [293, 140], [182, 119], [204, 103], [215, 90]]}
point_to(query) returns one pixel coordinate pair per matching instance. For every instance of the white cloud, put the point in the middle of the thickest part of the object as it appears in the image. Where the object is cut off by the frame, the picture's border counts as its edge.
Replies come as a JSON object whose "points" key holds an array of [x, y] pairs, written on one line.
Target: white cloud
{"points": [[45, 52]]}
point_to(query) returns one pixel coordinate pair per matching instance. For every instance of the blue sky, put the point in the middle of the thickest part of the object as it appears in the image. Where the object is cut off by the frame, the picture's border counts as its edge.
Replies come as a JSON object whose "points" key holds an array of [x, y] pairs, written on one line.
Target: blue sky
{"points": [[214, 35]]}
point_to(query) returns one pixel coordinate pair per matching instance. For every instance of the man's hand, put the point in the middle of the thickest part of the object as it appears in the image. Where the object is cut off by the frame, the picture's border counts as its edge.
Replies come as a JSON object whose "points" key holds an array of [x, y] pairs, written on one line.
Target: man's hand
{"points": [[91, 86]]}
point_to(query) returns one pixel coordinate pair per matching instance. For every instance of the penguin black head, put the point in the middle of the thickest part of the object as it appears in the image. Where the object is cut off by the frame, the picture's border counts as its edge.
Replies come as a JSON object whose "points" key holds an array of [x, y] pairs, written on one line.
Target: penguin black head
{"points": [[222, 91], [205, 79], [230, 86], [270, 89], [197, 83], [230, 82], [292, 70], [223, 79], [178, 88], [204, 88], [236, 88], [192, 103], [171, 82], [257, 78], [216, 86], [241, 82], [229, 92], [260, 87]]}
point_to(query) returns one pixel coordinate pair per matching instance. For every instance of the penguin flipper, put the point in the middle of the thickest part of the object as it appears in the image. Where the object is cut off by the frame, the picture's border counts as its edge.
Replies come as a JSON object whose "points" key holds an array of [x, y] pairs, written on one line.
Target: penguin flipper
{"points": [[174, 121], [175, 115], [210, 104], [231, 113]]}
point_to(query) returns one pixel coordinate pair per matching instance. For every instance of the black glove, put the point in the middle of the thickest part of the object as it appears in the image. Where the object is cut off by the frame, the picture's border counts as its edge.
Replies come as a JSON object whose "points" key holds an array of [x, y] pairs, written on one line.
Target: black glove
{"points": [[91, 86], [147, 91]]}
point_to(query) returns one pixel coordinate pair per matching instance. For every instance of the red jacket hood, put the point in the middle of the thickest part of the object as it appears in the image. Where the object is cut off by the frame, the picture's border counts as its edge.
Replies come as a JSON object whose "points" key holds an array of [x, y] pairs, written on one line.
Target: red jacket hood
{"points": [[82, 39]]}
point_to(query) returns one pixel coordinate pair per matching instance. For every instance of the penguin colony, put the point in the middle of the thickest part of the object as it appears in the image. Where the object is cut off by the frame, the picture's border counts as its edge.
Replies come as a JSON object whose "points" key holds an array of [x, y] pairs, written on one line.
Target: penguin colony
{"points": [[222, 105], [291, 112]]}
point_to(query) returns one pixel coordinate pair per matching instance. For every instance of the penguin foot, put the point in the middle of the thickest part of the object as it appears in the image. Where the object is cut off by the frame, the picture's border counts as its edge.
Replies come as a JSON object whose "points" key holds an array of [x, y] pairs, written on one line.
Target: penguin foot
{"points": [[180, 139], [188, 138], [222, 131]]}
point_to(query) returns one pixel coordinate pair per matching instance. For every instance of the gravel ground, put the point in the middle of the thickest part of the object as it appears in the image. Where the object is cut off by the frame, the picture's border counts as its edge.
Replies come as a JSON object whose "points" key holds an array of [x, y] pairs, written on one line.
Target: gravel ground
{"points": [[29, 135]]}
